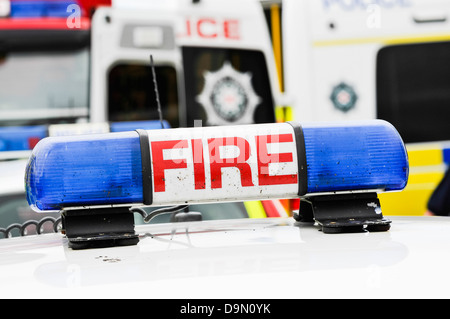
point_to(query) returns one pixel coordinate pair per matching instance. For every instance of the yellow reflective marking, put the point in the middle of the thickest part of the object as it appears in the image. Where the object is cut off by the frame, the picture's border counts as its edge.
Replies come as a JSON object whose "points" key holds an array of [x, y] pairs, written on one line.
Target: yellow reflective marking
{"points": [[276, 40], [284, 113], [427, 169], [255, 209], [424, 157], [409, 202], [413, 200], [425, 178], [288, 113], [279, 114]]}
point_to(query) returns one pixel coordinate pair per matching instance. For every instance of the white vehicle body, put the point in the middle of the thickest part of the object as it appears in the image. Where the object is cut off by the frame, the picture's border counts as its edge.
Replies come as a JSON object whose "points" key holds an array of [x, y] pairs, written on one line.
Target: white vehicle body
{"points": [[339, 42], [13, 174], [257, 259], [353, 60]]}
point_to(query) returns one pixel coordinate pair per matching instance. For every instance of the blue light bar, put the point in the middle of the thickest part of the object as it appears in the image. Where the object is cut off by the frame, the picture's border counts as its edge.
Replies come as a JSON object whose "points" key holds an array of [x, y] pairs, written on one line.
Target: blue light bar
{"points": [[355, 157], [21, 138], [79, 170], [168, 167], [134, 125], [35, 9]]}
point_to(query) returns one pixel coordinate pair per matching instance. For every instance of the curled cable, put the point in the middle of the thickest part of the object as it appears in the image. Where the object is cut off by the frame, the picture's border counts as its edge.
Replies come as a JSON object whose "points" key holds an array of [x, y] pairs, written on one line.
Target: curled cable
{"points": [[22, 228], [55, 221], [148, 216]]}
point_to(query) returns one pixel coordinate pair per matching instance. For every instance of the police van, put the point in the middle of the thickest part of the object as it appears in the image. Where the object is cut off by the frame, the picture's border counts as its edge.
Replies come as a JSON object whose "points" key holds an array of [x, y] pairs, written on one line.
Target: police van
{"points": [[364, 59], [213, 63]]}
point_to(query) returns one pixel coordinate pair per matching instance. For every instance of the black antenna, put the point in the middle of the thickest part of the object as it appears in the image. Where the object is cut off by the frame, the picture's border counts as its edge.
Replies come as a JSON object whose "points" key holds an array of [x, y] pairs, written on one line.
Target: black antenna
{"points": [[156, 91]]}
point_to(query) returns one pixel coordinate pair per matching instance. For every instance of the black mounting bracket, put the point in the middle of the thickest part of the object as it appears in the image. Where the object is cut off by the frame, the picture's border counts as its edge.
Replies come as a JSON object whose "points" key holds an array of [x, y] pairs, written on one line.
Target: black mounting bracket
{"points": [[99, 227], [112, 226], [344, 213]]}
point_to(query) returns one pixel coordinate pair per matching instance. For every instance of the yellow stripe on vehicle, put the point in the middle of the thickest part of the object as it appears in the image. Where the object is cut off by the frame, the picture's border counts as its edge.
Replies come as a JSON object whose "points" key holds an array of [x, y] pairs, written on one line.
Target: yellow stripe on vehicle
{"points": [[424, 157], [430, 178], [279, 114], [409, 202], [413, 200], [276, 41], [427, 169], [288, 113], [284, 113], [255, 209]]}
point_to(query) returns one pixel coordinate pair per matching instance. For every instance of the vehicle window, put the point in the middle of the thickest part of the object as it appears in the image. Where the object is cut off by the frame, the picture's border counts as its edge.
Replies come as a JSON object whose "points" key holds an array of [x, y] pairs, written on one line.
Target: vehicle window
{"points": [[413, 90], [38, 87], [226, 85], [131, 93]]}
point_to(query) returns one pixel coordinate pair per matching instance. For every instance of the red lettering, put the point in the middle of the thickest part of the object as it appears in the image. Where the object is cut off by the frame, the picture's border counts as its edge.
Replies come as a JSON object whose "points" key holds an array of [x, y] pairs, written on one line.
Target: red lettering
{"points": [[200, 30], [199, 166], [210, 28], [188, 30], [160, 164], [264, 159], [224, 153], [231, 29], [217, 162]]}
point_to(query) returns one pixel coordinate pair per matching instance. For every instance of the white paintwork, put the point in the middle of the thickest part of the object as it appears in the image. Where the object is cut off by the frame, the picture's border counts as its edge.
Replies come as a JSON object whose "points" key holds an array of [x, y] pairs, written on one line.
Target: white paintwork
{"points": [[317, 57], [12, 176], [266, 258]]}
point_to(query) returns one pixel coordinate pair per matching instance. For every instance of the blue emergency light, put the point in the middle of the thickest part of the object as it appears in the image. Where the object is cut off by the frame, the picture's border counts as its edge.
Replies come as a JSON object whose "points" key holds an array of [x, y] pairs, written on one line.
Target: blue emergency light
{"points": [[352, 157], [349, 161], [21, 138], [41, 8], [134, 125], [24, 138], [81, 170]]}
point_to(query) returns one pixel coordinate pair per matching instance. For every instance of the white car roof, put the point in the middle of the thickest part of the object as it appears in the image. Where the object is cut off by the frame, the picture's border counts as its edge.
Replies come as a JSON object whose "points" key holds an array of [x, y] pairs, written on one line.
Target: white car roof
{"points": [[245, 258]]}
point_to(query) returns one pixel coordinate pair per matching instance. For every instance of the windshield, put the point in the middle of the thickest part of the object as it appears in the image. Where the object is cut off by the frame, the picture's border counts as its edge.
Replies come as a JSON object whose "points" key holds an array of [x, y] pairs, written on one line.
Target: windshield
{"points": [[38, 87]]}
